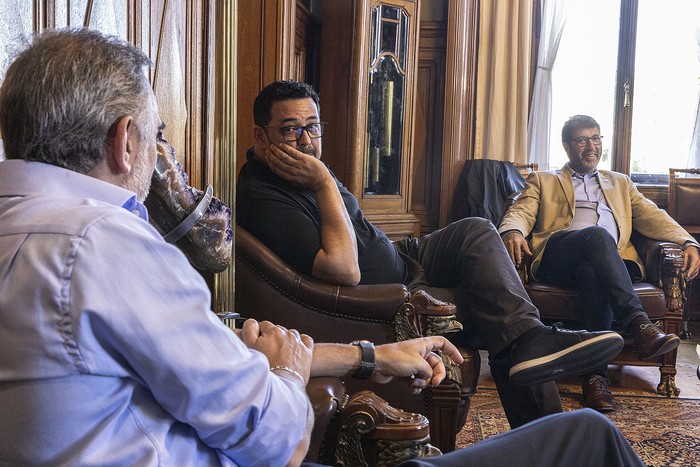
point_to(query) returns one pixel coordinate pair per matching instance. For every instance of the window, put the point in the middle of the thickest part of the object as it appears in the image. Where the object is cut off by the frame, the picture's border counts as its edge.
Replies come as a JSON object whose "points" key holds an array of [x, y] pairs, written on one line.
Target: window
{"points": [[632, 65]]}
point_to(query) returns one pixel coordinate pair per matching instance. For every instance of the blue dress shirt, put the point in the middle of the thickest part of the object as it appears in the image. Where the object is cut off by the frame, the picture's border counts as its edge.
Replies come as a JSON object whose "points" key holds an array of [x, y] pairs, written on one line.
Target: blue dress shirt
{"points": [[591, 207], [109, 353]]}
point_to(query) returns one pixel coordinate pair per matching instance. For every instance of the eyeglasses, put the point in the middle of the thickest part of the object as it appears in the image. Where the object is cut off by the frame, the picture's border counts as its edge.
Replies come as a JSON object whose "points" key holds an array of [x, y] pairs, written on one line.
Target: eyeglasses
{"points": [[294, 133], [583, 140]]}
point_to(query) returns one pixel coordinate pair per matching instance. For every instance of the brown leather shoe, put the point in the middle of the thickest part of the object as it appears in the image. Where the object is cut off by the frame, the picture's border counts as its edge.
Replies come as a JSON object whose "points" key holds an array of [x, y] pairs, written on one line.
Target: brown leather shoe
{"points": [[651, 341], [596, 393]]}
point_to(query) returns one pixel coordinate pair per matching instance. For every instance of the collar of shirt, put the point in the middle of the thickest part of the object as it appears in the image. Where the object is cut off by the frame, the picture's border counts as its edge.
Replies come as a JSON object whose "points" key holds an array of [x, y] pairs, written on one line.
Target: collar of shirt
{"points": [[575, 174], [24, 178]]}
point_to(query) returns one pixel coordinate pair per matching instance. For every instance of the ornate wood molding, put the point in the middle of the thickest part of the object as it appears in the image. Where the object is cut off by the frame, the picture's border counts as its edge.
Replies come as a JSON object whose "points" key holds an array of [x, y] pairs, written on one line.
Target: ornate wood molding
{"points": [[460, 92], [222, 112]]}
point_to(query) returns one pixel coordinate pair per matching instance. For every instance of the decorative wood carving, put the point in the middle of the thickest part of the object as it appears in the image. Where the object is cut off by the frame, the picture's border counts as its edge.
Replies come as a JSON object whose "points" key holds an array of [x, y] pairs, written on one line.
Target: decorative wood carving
{"points": [[397, 435], [427, 151], [460, 94]]}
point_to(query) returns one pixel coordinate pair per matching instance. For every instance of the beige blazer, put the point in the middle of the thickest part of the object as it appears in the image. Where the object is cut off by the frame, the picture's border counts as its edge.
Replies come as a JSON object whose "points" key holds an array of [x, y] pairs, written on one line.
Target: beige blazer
{"points": [[547, 206]]}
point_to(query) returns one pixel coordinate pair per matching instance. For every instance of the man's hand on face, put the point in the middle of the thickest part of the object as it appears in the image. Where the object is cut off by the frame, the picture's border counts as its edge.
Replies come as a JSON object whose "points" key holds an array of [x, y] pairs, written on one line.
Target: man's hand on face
{"points": [[301, 169], [414, 361], [691, 262], [282, 347], [517, 247]]}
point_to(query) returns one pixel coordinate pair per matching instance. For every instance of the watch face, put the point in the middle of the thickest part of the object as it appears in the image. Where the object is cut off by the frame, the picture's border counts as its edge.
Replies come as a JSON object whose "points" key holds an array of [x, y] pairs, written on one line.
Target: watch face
{"points": [[361, 341]]}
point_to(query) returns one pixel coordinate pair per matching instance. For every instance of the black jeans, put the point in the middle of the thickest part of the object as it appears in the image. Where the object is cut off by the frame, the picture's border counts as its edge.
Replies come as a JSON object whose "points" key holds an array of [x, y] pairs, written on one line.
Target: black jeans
{"points": [[588, 260], [467, 264]]}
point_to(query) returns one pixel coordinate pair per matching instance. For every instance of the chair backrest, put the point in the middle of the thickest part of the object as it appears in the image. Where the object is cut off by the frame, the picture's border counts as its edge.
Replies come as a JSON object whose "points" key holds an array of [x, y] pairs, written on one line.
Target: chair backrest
{"points": [[267, 288], [684, 198]]}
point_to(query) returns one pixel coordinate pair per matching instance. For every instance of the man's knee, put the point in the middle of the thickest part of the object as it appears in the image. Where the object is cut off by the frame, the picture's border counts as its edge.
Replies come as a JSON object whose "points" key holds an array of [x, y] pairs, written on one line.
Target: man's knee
{"points": [[597, 237], [472, 224]]}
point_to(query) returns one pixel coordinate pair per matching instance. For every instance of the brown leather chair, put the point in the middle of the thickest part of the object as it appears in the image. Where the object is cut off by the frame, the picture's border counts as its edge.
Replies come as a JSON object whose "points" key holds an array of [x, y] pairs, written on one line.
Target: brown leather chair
{"points": [[683, 202], [268, 289], [661, 296], [684, 198]]}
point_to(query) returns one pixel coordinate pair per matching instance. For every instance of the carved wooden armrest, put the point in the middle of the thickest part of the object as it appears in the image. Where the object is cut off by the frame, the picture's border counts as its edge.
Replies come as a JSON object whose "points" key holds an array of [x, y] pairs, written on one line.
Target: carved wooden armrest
{"points": [[430, 317], [671, 278], [425, 315], [522, 270], [663, 262], [371, 432]]}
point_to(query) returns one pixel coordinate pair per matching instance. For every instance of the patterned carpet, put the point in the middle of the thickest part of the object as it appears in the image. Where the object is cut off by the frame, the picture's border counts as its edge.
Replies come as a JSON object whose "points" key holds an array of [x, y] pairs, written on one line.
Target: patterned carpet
{"points": [[663, 432]]}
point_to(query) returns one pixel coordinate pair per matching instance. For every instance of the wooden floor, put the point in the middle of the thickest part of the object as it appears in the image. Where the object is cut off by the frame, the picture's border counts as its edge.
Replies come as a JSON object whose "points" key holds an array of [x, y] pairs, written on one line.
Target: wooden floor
{"points": [[639, 380]]}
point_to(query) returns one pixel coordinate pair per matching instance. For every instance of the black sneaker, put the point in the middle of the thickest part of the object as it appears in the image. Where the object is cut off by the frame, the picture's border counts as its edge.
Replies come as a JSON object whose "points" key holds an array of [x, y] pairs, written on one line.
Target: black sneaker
{"points": [[549, 353]]}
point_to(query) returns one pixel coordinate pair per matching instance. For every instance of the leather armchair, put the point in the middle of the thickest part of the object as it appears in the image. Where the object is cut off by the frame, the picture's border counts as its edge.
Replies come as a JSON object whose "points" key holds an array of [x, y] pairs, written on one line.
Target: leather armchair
{"points": [[662, 297], [268, 289]]}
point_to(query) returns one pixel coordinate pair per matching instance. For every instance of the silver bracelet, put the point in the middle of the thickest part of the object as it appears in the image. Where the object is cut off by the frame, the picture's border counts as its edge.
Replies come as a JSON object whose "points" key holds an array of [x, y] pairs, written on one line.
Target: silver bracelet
{"points": [[288, 370]]}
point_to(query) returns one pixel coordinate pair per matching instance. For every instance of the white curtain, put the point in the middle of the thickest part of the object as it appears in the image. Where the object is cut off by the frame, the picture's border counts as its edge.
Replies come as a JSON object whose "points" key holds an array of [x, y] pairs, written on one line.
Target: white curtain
{"points": [[553, 14], [694, 154]]}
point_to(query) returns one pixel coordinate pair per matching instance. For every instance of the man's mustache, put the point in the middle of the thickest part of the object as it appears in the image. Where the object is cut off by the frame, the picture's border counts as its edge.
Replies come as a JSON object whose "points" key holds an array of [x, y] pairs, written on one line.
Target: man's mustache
{"points": [[309, 151]]}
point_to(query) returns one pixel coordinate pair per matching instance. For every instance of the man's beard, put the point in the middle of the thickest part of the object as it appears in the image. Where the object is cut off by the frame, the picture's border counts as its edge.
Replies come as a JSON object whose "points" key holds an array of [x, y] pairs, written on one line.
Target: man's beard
{"points": [[139, 179]]}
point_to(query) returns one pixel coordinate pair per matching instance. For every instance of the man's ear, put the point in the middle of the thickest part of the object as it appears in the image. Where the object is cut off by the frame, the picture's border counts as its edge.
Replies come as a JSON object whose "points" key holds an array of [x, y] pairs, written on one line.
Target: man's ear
{"points": [[120, 146], [260, 136]]}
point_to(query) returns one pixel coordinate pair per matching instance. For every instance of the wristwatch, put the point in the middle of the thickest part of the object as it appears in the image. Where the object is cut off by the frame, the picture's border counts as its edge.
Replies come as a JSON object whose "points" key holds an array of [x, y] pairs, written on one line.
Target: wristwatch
{"points": [[367, 363]]}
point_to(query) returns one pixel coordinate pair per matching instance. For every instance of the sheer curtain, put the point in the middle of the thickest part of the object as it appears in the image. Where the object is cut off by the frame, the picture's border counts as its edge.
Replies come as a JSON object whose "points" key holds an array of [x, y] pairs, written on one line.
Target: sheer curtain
{"points": [[694, 155], [553, 14]]}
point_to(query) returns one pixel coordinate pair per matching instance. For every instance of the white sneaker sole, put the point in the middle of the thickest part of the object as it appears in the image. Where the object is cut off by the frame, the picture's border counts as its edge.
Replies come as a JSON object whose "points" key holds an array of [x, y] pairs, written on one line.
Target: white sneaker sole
{"points": [[577, 359]]}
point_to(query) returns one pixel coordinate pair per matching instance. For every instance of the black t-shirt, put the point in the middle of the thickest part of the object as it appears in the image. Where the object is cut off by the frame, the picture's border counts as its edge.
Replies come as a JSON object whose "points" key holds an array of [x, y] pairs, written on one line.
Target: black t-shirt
{"points": [[286, 219]]}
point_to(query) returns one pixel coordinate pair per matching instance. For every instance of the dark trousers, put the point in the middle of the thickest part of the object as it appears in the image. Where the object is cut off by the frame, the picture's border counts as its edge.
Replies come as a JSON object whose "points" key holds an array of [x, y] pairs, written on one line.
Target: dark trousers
{"points": [[581, 437], [467, 264], [588, 261]]}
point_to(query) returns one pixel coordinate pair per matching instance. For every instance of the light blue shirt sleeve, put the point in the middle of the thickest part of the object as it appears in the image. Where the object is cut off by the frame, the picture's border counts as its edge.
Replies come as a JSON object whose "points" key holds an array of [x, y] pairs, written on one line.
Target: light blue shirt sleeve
{"points": [[109, 352], [155, 314]]}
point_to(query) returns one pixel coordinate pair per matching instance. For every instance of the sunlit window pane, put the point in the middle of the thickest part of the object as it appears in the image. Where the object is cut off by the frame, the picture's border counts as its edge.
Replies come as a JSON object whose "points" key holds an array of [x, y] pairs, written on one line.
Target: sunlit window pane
{"points": [[667, 74], [583, 78]]}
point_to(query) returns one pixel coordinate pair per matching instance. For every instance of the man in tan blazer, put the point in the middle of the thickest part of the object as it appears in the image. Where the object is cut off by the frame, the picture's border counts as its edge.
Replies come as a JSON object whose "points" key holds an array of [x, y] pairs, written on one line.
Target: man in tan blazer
{"points": [[579, 221]]}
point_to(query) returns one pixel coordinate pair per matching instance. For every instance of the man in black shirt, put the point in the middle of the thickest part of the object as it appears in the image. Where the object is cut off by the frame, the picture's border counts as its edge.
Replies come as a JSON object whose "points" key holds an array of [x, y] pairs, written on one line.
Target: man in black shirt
{"points": [[292, 202]]}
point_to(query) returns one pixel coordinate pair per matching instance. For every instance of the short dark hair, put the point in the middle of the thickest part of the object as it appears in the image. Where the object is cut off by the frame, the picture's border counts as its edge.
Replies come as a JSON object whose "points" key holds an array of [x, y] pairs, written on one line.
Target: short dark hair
{"points": [[65, 90], [575, 123], [281, 91]]}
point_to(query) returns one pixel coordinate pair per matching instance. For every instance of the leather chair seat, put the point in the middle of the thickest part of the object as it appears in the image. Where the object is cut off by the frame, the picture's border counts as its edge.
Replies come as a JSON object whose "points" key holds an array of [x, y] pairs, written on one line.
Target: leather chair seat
{"points": [[559, 304]]}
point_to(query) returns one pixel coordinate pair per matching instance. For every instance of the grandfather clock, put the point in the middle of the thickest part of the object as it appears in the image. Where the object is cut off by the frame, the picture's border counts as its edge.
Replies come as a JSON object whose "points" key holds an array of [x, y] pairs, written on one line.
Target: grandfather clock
{"points": [[368, 68]]}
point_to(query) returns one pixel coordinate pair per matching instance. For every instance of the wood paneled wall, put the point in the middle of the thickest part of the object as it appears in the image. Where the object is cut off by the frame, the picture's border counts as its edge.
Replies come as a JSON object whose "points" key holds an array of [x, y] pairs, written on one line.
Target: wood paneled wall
{"points": [[192, 46], [427, 151]]}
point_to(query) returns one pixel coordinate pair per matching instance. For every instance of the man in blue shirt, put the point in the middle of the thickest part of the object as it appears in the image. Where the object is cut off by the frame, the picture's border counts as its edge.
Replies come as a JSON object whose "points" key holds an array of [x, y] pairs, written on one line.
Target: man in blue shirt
{"points": [[109, 353]]}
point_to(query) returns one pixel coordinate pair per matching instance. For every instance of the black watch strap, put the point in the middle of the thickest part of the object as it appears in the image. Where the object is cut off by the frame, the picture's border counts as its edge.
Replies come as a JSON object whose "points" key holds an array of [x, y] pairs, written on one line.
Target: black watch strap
{"points": [[367, 362]]}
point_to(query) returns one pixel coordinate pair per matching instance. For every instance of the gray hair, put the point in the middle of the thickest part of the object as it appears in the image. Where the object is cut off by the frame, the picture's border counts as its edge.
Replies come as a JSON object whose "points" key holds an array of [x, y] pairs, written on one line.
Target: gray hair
{"points": [[576, 123], [63, 93]]}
